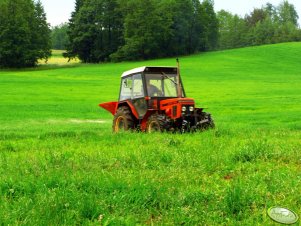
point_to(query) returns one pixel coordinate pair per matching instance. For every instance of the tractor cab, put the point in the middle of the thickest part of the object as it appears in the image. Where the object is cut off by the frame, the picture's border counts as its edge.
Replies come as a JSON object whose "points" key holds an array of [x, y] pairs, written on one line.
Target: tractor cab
{"points": [[153, 99], [150, 82], [145, 87]]}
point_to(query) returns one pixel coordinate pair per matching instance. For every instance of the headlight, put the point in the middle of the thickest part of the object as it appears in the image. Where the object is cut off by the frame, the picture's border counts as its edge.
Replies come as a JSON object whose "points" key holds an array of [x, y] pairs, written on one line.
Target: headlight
{"points": [[191, 108], [183, 108]]}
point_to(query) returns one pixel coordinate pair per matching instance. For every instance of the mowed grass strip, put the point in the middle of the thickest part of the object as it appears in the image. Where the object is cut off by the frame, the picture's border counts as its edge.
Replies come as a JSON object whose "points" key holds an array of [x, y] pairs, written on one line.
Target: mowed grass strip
{"points": [[60, 163]]}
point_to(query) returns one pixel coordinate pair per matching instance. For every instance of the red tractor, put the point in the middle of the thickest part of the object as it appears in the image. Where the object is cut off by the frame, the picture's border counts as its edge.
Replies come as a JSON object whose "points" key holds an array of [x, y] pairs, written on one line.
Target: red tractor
{"points": [[153, 99]]}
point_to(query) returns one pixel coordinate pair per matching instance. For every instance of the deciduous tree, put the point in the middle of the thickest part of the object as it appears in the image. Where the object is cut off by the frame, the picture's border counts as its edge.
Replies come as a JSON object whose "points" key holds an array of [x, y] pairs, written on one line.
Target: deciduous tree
{"points": [[59, 36], [24, 33]]}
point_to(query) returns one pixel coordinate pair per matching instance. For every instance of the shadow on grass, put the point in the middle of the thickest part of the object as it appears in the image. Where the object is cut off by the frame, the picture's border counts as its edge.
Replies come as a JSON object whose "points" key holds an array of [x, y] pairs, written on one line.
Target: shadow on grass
{"points": [[43, 67]]}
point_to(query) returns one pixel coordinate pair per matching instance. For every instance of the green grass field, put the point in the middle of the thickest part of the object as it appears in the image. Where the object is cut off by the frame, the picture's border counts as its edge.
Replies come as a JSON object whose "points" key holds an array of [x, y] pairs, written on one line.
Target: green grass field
{"points": [[61, 164]]}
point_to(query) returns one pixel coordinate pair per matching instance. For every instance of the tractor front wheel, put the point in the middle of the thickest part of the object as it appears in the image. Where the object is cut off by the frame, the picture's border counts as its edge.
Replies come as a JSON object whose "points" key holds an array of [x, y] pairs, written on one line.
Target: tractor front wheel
{"points": [[158, 123], [207, 125], [123, 120]]}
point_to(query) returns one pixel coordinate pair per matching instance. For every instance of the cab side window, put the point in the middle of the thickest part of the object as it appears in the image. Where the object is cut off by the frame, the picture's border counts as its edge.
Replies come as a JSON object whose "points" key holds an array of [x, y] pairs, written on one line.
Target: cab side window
{"points": [[126, 88], [132, 87], [138, 90]]}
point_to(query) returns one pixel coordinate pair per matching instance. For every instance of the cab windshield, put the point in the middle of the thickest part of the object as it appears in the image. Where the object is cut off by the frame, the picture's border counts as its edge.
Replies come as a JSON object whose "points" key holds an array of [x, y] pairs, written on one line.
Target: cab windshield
{"points": [[162, 84]]}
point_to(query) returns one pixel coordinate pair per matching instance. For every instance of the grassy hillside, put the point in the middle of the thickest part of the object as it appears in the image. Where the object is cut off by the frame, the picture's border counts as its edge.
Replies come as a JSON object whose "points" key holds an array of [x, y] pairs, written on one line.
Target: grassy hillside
{"points": [[60, 163]]}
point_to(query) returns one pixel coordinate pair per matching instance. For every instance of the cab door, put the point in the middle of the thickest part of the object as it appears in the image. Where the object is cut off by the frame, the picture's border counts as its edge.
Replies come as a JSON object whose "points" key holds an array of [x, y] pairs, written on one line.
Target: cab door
{"points": [[138, 98]]}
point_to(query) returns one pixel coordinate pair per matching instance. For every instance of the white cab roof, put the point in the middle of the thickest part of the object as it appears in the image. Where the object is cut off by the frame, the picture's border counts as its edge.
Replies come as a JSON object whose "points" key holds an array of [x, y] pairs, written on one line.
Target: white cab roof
{"points": [[133, 71], [140, 70]]}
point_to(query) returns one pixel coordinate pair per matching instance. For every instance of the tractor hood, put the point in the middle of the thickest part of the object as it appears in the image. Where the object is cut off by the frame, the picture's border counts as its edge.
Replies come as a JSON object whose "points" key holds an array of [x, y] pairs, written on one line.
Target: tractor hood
{"points": [[175, 107], [176, 101]]}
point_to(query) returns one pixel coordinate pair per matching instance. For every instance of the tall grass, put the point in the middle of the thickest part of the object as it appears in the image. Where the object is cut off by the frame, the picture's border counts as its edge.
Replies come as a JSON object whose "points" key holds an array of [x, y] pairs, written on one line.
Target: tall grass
{"points": [[61, 164]]}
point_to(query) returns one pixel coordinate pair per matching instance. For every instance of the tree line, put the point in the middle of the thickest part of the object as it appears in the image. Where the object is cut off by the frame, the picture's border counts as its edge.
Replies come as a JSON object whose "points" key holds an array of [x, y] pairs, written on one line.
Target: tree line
{"points": [[59, 36], [24, 33], [119, 30], [103, 30], [115, 30], [266, 25]]}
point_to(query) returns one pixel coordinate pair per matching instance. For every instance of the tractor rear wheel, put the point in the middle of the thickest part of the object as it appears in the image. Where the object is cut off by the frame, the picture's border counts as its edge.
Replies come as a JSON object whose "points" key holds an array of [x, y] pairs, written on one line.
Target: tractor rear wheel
{"points": [[123, 120], [158, 123]]}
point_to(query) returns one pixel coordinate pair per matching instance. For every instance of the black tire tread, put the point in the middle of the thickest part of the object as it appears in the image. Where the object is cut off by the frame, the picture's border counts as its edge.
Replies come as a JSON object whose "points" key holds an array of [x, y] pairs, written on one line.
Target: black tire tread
{"points": [[163, 121], [127, 114]]}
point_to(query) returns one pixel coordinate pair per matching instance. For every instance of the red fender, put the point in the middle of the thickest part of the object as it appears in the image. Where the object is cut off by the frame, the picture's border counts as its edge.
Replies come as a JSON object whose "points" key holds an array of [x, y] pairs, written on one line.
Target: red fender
{"points": [[113, 106], [110, 106], [133, 109]]}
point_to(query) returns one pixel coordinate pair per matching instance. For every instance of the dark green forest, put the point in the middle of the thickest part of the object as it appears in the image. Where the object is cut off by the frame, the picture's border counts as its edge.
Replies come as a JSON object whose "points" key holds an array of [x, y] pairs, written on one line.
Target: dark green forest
{"points": [[115, 30], [123, 30], [24, 33], [102, 30]]}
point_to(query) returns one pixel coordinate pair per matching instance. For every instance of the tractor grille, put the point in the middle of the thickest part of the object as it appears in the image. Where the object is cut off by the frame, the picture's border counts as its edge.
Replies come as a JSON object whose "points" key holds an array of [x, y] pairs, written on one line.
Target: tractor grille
{"points": [[174, 111]]}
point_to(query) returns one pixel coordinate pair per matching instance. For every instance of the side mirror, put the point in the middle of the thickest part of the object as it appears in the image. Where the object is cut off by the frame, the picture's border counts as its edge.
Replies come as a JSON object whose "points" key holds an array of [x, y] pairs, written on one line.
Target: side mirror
{"points": [[128, 83]]}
